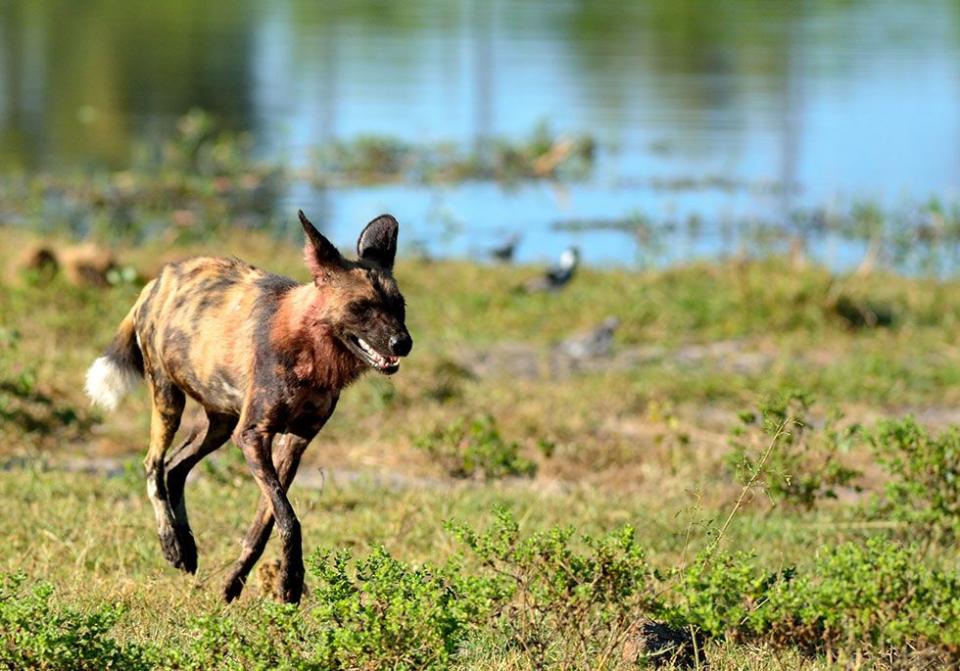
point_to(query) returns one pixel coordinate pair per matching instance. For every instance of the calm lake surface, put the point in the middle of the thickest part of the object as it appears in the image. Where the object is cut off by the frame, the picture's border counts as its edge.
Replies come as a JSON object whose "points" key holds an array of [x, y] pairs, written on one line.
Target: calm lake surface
{"points": [[845, 101]]}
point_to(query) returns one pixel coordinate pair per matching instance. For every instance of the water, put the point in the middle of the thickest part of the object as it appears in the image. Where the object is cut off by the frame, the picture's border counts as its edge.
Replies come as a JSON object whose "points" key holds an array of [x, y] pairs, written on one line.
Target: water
{"points": [[844, 100]]}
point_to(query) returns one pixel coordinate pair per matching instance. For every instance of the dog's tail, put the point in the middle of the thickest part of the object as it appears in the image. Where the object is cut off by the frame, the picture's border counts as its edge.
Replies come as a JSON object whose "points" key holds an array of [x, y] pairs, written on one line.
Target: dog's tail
{"points": [[120, 368]]}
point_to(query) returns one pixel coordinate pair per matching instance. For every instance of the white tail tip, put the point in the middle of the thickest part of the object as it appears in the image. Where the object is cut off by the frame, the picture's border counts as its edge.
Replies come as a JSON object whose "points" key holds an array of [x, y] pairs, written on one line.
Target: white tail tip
{"points": [[108, 382]]}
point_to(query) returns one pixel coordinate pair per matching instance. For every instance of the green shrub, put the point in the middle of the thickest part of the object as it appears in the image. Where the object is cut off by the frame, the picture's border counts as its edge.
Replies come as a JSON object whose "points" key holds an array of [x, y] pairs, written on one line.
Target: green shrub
{"points": [[376, 613], [570, 602], [718, 597], [923, 490], [446, 381], [35, 634], [872, 597], [550, 598], [476, 449], [390, 614], [778, 449], [268, 637]]}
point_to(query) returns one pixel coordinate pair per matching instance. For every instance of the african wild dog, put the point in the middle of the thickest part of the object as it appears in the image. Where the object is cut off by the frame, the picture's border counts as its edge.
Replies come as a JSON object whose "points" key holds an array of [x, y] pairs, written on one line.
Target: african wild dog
{"points": [[265, 357]]}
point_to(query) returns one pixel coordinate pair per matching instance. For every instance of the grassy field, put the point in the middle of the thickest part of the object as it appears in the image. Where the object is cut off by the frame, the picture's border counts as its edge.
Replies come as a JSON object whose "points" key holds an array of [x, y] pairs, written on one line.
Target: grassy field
{"points": [[738, 464]]}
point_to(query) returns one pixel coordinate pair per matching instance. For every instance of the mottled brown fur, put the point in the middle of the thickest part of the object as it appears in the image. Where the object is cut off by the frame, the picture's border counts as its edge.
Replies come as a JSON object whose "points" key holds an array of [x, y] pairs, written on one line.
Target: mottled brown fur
{"points": [[265, 357]]}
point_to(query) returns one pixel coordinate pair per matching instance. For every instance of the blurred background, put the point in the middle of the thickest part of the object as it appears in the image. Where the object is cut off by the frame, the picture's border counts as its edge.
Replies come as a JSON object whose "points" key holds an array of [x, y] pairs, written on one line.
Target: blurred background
{"points": [[698, 129]]}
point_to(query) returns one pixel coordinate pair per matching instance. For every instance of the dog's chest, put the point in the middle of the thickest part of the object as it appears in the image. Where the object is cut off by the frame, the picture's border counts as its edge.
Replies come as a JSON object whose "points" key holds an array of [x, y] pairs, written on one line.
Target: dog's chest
{"points": [[312, 405]]}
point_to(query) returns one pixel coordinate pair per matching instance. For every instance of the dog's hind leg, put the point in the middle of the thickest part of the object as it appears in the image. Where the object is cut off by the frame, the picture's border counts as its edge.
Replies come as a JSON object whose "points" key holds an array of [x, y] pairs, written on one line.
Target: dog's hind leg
{"points": [[287, 450], [168, 402], [178, 466]]}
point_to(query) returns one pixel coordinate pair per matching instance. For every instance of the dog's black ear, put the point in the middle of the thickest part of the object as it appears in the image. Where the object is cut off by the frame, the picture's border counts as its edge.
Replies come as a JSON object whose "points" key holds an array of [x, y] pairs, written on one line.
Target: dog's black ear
{"points": [[319, 253], [378, 242]]}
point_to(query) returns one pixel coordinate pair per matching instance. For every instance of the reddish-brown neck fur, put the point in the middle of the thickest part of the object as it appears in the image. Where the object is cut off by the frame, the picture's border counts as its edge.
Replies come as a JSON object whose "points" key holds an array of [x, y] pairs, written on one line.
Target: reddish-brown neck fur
{"points": [[303, 328]]}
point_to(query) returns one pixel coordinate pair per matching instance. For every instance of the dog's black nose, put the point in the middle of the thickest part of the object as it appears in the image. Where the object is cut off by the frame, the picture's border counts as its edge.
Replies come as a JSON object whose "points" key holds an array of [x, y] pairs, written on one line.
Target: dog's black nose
{"points": [[401, 344]]}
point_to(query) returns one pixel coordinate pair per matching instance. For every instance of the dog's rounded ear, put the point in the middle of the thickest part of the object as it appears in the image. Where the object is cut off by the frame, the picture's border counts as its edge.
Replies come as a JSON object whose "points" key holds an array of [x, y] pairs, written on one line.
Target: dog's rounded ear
{"points": [[378, 242], [318, 252]]}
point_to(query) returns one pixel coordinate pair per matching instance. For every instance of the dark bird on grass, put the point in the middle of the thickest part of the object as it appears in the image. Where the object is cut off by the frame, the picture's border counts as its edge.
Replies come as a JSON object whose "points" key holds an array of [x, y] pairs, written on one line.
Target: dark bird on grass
{"points": [[597, 342], [558, 276], [505, 249]]}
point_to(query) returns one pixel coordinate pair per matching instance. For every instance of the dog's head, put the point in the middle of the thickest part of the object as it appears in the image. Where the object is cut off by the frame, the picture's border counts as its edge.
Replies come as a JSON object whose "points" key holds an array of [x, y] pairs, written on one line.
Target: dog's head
{"points": [[360, 301]]}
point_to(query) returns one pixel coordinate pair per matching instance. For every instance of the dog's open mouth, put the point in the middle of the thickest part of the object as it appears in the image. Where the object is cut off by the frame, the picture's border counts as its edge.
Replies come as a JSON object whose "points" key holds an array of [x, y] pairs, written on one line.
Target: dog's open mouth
{"points": [[383, 363]]}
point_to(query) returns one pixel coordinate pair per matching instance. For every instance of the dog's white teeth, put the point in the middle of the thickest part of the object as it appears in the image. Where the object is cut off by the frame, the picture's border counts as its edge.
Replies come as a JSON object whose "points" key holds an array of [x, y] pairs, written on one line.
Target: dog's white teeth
{"points": [[378, 359]]}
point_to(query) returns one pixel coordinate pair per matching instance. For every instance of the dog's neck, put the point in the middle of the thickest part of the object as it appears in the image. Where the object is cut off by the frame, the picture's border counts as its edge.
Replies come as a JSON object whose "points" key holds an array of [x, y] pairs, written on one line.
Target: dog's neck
{"points": [[302, 330]]}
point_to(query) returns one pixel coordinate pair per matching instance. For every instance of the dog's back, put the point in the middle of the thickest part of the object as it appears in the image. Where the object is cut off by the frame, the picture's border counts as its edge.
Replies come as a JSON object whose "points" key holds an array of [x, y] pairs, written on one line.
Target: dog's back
{"points": [[198, 322]]}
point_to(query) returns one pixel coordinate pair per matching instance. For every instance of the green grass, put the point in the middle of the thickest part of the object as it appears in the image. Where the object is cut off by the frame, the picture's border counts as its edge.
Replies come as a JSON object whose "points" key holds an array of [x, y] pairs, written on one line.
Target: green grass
{"points": [[640, 439], [91, 538]]}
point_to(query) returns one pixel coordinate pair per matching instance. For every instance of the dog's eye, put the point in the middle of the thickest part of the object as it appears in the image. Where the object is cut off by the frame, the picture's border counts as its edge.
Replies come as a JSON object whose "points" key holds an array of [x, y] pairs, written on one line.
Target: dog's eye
{"points": [[363, 310]]}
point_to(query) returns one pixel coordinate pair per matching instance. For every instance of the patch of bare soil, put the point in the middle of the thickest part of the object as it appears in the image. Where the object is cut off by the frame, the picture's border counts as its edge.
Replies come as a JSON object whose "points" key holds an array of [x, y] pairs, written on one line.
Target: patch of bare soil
{"points": [[533, 361]]}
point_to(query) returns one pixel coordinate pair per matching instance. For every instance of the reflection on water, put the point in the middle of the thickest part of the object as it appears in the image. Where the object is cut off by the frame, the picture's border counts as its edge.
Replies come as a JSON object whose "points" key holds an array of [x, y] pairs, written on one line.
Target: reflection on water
{"points": [[846, 100]]}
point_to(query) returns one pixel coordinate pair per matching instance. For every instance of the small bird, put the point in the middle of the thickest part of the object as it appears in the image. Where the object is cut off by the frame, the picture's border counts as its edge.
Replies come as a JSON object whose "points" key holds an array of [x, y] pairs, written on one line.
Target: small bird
{"points": [[597, 342], [505, 249], [558, 276]]}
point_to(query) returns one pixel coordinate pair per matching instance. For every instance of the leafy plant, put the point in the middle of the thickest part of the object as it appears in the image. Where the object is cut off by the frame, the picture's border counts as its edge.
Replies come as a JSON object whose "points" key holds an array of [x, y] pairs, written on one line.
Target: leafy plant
{"points": [[36, 634], [270, 636], [718, 596], [446, 381], [476, 449], [778, 448], [391, 614], [570, 602], [923, 490], [859, 597], [376, 613]]}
